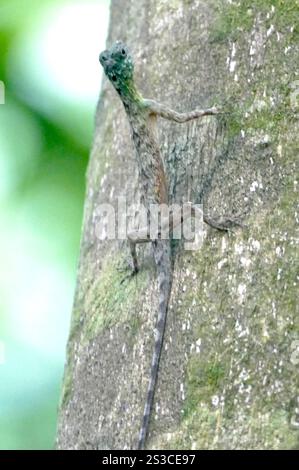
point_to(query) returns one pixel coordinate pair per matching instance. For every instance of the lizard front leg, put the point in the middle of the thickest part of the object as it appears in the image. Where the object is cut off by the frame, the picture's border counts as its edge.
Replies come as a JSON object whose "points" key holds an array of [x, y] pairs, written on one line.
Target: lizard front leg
{"points": [[165, 112]]}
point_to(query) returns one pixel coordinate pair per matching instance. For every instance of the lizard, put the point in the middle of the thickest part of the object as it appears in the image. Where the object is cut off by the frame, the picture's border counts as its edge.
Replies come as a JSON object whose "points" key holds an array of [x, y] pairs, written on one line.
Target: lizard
{"points": [[142, 115]]}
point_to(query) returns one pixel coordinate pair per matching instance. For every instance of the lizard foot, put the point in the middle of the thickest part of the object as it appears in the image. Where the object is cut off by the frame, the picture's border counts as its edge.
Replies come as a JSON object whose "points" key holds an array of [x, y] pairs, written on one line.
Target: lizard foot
{"points": [[129, 276], [124, 268]]}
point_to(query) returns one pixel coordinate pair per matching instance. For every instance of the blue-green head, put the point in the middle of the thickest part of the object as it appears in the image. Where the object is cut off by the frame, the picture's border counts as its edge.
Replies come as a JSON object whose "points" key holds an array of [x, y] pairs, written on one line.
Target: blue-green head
{"points": [[118, 66]]}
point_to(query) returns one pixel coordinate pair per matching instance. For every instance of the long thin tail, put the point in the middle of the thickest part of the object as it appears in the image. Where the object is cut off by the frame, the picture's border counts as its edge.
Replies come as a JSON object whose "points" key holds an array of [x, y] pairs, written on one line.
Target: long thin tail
{"points": [[163, 262]]}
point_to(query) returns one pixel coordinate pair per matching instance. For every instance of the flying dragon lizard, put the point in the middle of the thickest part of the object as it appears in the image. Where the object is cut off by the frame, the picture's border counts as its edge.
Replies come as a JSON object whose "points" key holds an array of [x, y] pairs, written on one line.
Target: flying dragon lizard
{"points": [[142, 114]]}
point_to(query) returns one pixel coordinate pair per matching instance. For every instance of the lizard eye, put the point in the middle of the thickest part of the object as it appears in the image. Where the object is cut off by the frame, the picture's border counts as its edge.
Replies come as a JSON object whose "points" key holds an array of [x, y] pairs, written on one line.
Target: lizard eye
{"points": [[114, 78], [123, 52]]}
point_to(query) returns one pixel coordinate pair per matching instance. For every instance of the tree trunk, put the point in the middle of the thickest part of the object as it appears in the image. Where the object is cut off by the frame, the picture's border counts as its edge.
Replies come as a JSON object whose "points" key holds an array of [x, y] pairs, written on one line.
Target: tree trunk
{"points": [[229, 369]]}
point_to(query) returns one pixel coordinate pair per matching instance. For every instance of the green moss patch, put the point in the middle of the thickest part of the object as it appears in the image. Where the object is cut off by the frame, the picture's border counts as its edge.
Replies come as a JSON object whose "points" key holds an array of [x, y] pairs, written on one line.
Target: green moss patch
{"points": [[238, 17]]}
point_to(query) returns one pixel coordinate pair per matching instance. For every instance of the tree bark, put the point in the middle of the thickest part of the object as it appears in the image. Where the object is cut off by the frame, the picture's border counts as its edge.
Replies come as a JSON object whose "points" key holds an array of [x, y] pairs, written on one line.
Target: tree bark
{"points": [[229, 369]]}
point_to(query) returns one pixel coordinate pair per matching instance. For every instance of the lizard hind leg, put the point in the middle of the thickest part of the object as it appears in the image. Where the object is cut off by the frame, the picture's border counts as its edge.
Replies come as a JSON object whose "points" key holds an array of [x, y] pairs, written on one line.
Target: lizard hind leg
{"points": [[129, 265], [221, 223], [133, 253], [135, 237]]}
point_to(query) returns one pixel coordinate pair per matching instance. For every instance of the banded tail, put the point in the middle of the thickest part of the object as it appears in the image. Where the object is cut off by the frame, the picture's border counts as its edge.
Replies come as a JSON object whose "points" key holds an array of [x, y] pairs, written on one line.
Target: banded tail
{"points": [[163, 262]]}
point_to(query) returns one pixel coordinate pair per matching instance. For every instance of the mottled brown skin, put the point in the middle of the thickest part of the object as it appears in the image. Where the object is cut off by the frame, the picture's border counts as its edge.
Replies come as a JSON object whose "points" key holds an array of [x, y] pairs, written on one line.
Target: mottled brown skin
{"points": [[142, 115], [150, 164]]}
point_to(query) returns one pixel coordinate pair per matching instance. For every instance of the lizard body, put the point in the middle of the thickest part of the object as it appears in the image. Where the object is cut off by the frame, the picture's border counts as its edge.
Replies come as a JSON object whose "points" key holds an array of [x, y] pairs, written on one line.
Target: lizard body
{"points": [[142, 115]]}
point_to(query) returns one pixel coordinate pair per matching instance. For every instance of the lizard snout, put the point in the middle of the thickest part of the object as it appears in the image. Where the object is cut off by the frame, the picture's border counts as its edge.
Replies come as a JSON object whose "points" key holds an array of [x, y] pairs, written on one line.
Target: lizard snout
{"points": [[106, 60], [104, 57]]}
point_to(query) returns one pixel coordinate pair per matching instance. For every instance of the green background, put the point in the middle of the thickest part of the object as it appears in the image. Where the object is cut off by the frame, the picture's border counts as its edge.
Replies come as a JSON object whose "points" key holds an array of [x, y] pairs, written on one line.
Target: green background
{"points": [[49, 65]]}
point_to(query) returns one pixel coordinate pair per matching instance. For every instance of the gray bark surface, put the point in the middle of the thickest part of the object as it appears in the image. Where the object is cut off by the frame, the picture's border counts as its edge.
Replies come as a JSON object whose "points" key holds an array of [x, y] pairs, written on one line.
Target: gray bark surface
{"points": [[229, 368]]}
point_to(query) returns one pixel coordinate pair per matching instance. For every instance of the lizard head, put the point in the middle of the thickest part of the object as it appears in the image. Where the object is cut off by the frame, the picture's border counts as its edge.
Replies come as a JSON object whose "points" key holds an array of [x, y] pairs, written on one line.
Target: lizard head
{"points": [[118, 65]]}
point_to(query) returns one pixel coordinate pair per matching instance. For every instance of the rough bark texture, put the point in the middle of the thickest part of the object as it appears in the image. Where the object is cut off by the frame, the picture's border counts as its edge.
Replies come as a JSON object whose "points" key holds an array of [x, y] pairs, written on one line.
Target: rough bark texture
{"points": [[228, 375]]}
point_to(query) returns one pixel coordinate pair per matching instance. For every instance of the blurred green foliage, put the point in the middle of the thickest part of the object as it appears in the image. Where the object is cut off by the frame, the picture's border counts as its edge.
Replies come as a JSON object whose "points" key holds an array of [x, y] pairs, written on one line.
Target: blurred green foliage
{"points": [[45, 136]]}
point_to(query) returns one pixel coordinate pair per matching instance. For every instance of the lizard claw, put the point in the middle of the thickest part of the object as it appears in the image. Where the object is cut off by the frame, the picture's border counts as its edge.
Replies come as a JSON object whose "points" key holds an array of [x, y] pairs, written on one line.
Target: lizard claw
{"points": [[129, 276], [124, 268]]}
